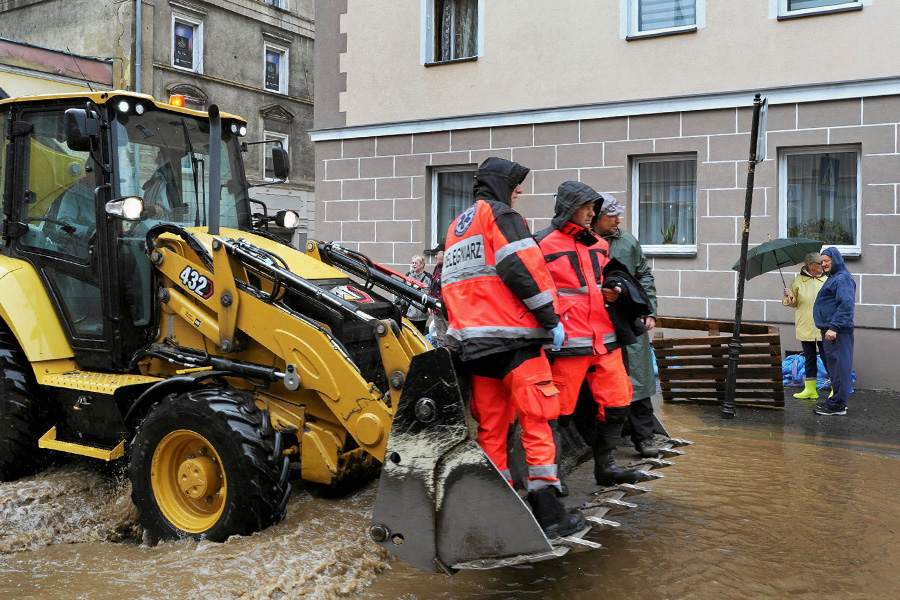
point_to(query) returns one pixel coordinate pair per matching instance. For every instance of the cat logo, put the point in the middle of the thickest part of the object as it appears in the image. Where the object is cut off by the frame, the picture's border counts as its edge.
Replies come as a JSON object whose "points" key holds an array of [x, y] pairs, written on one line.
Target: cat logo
{"points": [[352, 294]]}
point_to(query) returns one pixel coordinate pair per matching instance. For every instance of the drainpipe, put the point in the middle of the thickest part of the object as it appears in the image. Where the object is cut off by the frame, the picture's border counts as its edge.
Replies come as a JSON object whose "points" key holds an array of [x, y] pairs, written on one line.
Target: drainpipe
{"points": [[138, 44]]}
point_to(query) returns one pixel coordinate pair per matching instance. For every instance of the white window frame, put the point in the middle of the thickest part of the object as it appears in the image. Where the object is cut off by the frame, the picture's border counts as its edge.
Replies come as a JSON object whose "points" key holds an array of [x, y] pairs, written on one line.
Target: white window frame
{"points": [[782, 8], [277, 3], [427, 49], [437, 236], [783, 153], [283, 73], [198, 41], [272, 135], [628, 11], [662, 249]]}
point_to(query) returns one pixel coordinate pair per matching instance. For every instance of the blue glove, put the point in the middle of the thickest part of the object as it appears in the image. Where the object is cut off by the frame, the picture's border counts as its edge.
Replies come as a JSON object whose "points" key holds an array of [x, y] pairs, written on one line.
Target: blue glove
{"points": [[559, 336]]}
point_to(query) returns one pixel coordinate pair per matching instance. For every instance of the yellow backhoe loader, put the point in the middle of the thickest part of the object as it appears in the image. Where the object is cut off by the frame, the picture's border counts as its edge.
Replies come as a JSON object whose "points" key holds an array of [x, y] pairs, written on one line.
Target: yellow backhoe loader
{"points": [[148, 315]]}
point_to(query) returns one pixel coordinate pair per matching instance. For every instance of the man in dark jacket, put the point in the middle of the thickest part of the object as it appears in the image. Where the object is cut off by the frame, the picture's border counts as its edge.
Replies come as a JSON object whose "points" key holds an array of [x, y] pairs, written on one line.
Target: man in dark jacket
{"points": [[438, 318], [502, 306], [833, 314], [591, 352], [639, 355]]}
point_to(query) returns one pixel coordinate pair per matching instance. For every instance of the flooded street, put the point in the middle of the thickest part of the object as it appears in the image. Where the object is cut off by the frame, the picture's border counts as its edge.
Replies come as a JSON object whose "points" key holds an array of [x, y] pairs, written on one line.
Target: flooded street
{"points": [[748, 512]]}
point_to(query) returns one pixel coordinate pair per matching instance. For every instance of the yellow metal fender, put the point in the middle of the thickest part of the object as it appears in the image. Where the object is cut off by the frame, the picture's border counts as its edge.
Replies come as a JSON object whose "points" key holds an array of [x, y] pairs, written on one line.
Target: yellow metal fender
{"points": [[26, 309]]}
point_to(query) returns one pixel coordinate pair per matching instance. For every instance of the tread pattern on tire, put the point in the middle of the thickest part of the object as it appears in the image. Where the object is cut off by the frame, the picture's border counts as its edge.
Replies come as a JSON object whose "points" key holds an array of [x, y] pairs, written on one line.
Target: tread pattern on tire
{"points": [[256, 492], [22, 421]]}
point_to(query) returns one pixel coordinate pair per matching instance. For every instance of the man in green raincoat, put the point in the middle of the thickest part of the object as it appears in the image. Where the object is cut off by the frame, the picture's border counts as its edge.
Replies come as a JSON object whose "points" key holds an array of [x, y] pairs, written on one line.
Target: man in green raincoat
{"points": [[639, 360]]}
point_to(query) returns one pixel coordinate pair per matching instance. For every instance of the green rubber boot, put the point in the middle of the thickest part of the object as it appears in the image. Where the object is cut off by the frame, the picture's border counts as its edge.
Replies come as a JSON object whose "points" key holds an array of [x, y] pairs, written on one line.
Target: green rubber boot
{"points": [[809, 392]]}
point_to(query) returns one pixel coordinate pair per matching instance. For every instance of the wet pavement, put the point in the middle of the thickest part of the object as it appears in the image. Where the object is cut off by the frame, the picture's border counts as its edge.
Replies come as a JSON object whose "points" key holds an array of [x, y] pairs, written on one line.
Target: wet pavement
{"points": [[872, 420]]}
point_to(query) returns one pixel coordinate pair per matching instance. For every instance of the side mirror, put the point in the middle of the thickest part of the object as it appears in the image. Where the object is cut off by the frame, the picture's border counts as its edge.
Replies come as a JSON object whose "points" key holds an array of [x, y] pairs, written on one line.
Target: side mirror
{"points": [[81, 128], [281, 165]]}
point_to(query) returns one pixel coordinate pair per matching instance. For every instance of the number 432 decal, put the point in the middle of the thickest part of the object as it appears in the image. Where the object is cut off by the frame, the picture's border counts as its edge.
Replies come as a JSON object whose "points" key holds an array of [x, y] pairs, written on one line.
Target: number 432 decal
{"points": [[197, 283]]}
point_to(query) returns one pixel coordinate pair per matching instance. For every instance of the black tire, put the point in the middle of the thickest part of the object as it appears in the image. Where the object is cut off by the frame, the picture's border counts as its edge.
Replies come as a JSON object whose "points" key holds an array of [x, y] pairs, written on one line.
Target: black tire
{"points": [[204, 466], [22, 422]]}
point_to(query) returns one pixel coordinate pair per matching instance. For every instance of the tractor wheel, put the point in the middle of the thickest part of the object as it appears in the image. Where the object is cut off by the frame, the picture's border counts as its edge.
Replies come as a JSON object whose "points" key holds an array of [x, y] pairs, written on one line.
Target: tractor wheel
{"points": [[205, 465], [22, 421]]}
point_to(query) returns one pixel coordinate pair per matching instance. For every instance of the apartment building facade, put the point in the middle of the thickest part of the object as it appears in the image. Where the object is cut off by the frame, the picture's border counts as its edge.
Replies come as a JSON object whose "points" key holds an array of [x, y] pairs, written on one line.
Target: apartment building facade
{"points": [[651, 101], [253, 58]]}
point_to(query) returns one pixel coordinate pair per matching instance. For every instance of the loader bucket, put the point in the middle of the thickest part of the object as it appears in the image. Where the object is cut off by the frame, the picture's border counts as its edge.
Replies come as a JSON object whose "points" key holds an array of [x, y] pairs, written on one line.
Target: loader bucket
{"points": [[441, 501]]}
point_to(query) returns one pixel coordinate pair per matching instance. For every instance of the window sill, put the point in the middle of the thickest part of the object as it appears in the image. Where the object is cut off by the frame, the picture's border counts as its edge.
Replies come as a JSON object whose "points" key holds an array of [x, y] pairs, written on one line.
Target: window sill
{"points": [[653, 34], [853, 252], [452, 62], [815, 12], [669, 250]]}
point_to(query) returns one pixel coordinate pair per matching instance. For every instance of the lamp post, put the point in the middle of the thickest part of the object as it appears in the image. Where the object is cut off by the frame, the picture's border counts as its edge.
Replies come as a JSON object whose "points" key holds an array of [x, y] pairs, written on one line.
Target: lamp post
{"points": [[757, 134]]}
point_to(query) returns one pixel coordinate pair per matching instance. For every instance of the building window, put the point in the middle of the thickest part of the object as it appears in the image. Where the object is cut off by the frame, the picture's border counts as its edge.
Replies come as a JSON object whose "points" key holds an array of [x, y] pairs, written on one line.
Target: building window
{"points": [[187, 43], [790, 8], [451, 194], [268, 171], [276, 69], [819, 191], [452, 28], [664, 203], [654, 17], [277, 3]]}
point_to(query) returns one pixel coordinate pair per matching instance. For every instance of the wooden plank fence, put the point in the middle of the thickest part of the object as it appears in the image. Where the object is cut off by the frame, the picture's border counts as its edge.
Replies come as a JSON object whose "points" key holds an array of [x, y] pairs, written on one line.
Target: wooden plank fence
{"points": [[693, 369]]}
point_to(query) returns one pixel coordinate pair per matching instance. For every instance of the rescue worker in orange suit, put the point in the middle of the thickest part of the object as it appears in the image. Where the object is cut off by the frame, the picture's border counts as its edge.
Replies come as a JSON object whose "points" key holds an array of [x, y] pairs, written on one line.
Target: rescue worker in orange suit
{"points": [[591, 351], [501, 303]]}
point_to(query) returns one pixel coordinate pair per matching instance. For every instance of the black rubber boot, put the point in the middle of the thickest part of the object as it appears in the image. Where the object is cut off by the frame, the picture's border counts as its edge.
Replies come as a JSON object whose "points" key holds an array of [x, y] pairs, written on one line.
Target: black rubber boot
{"points": [[557, 441], [551, 515], [606, 438]]}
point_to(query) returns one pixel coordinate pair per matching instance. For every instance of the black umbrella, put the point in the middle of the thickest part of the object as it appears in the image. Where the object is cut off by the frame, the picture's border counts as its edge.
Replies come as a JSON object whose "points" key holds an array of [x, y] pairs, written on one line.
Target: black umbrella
{"points": [[774, 254]]}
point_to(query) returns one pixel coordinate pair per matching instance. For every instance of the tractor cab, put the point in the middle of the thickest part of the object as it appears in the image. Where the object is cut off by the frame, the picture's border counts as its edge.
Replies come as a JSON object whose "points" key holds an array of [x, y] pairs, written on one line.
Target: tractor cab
{"points": [[83, 180]]}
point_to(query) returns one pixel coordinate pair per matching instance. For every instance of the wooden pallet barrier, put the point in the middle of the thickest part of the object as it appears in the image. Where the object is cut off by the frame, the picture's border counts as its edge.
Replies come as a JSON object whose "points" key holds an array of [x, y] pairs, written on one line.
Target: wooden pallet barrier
{"points": [[694, 368]]}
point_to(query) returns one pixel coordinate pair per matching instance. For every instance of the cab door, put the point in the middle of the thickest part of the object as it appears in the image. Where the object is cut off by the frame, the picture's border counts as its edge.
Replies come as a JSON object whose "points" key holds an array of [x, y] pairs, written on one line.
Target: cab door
{"points": [[57, 193]]}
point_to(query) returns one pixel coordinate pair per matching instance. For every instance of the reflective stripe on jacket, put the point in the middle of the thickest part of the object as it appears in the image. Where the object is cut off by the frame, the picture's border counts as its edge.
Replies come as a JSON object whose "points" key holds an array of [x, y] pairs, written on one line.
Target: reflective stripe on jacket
{"points": [[497, 290], [577, 270]]}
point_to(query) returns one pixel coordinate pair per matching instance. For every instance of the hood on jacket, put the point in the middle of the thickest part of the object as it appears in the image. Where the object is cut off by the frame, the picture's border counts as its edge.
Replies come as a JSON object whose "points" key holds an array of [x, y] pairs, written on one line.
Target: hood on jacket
{"points": [[497, 178], [571, 196], [837, 261]]}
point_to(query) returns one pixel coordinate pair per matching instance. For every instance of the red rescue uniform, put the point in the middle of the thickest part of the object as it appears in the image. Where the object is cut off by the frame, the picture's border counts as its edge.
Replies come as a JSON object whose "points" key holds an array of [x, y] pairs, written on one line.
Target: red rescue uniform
{"points": [[501, 303], [575, 259]]}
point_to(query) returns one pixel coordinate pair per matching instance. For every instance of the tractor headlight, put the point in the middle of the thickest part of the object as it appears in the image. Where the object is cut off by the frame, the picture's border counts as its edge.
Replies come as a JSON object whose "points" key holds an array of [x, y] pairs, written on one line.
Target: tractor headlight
{"points": [[129, 208], [288, 219]]}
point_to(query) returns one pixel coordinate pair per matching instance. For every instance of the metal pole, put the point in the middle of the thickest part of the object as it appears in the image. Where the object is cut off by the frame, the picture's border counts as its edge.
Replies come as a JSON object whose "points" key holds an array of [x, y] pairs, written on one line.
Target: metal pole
{"points": [[734, 347], [138, 44]]}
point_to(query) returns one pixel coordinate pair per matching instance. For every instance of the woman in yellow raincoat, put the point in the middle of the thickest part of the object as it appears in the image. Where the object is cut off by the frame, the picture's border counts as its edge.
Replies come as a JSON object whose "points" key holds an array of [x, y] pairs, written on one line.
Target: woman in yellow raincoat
{"points": [[802, 295]]}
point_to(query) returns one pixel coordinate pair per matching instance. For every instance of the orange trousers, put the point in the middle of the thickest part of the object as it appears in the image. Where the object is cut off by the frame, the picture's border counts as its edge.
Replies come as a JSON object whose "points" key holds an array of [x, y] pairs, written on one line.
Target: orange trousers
{"points": [[528, 391], [606, 377]]}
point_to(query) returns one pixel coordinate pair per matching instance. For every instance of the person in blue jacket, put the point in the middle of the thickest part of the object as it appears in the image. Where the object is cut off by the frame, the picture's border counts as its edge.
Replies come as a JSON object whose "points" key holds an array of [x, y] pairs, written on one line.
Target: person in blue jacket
{"points": [[833, 315]]}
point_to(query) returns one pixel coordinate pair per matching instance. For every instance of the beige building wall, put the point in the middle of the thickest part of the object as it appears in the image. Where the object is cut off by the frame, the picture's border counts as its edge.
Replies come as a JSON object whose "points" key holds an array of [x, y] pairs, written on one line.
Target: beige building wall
{"points": [[572, 52]]}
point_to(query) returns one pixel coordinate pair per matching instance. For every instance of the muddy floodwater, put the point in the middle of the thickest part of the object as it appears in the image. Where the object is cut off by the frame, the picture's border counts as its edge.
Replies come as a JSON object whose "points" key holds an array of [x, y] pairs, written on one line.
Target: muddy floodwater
{"points": [[746, 513]]}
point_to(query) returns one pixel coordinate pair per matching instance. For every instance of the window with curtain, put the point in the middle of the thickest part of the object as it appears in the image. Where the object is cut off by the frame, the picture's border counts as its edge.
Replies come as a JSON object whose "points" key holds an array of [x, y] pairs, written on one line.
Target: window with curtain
{"points": [[659, 15], [454, 26], [819, 191], [451, 194], [665, 202]]}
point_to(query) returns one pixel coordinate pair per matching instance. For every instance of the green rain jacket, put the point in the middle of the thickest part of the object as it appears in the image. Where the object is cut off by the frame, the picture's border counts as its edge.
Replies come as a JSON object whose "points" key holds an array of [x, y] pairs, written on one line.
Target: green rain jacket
{"points": [[625, 247]]}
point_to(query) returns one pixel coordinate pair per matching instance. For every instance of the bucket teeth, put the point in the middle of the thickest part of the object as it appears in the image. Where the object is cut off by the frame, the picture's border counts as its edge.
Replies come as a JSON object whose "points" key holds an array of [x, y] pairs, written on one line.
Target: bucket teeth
{"points": [[654, 463], [603, 522], [677, 443], [612, 504], [670, 452], [575, 541], [629, 489]]}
